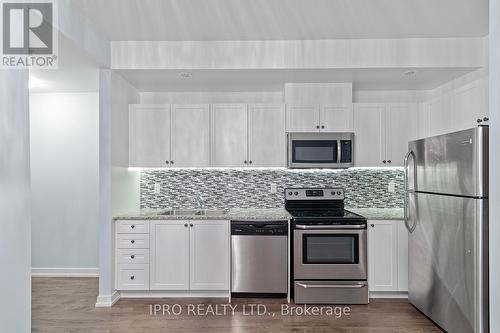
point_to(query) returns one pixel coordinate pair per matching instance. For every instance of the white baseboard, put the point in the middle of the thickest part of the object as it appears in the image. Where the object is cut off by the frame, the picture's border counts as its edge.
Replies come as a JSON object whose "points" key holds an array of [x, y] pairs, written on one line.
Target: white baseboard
{"points": [[388, 294], [105, 301], [64, 272], [174, 294]]}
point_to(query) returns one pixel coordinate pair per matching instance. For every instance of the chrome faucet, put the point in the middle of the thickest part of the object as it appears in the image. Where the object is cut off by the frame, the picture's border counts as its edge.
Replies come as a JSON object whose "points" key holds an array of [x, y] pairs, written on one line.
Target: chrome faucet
{"points": [[199, 201]]}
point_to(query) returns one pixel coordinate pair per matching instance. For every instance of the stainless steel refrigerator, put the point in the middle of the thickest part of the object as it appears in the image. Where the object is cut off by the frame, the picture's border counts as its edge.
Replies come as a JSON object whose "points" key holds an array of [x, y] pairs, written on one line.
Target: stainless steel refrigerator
{"points": [[446, 214]]}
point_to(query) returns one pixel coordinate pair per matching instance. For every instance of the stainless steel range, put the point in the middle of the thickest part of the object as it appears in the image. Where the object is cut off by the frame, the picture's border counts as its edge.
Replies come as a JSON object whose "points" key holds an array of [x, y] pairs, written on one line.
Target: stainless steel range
{"points": [[330, 248]]}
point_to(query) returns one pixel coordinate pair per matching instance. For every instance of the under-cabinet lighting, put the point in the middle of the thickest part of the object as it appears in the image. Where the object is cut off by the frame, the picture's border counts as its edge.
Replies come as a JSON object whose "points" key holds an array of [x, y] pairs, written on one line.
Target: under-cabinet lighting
{"points": [[269, 168]]}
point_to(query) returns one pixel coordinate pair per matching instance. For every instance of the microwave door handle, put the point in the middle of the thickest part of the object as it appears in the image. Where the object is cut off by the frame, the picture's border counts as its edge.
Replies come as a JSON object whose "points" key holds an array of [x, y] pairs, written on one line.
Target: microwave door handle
{"points": [[339, 151]]}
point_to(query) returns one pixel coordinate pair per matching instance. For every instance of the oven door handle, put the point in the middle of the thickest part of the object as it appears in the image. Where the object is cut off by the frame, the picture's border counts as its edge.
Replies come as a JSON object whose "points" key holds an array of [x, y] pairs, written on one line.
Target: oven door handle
{"points": [[357, 285], [330, 227]]}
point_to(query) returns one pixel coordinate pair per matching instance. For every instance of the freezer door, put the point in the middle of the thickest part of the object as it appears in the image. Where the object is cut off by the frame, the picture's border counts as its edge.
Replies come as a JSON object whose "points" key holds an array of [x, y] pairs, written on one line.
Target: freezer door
{"points": [[448, 276], [455, 163]]}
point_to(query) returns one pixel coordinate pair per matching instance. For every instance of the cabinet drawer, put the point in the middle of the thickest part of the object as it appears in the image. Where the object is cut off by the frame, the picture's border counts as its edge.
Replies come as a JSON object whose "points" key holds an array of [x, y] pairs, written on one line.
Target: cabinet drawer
{"points": [[132, 227], [132, 256], [331, 292], [132, 241], [132, 277]]}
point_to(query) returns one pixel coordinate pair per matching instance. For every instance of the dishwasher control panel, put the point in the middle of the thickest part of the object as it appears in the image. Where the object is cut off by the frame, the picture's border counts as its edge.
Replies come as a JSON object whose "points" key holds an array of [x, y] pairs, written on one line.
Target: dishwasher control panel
{"points": [[250, 228]]}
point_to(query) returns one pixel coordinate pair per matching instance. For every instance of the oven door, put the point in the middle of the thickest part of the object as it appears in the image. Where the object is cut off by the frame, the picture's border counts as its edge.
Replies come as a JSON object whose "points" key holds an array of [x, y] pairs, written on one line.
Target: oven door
{"points": [[330, 253]]}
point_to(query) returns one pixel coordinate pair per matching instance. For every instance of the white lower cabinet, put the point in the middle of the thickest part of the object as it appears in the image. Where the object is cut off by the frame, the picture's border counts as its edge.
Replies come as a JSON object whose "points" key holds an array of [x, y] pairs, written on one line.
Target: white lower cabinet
{"points": [[387, 256], [209, 255], [132, 277], [188, 255], [169, 255], [132, 255]]}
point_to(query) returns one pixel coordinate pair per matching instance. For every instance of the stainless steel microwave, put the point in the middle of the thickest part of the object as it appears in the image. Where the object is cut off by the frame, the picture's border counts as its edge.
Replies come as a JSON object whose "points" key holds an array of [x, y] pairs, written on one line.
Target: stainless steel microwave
{"points": [[320, 150]]}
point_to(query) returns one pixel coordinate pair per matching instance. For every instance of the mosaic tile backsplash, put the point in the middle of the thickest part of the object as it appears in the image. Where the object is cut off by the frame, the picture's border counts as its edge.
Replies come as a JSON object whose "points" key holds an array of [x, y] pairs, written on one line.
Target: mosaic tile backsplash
{"points": [[236, 188]]}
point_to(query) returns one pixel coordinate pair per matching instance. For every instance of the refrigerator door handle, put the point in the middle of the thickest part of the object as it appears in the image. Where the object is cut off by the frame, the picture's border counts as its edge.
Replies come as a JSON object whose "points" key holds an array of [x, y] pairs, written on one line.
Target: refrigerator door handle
{"points": [[407, 190]]}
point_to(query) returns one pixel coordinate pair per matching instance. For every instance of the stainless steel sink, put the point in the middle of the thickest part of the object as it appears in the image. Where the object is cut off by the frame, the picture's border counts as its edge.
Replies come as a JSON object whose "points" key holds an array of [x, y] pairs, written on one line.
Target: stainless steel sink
{"points": [[213, 212], [196, 212]]}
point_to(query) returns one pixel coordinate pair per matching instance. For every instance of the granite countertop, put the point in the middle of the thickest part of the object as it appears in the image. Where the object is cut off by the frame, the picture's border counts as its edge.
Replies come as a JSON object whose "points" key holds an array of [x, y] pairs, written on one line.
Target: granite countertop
{"points": [[232, 214], [379, 213], [257, 214]]}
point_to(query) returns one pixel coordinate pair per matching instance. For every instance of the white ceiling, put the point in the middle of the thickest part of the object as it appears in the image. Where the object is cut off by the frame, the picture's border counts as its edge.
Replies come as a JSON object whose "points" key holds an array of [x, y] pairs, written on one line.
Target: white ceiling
{"points": [[286, 19], [273, 79]]}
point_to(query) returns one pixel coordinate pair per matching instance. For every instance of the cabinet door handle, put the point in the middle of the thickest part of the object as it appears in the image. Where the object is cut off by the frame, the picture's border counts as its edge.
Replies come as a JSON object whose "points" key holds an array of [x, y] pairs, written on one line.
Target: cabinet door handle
{"points": [[132, 277], [317, 126], [384, 161], [132, 226], [185, 224], [322, 126], [389, 161], [190, 224], [132, 241], [132, 256], [250, 162], [166, 162], [479, 121], [372, 225], [245, 162], [171, 162], [486, 119]]}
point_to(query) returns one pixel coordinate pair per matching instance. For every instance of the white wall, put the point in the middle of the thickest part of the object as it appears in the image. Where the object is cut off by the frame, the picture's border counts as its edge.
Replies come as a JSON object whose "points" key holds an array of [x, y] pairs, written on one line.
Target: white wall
{"points": [[211, 97], [494, 165], [64, 176], [15, 242], [118, 186], [318, 93], [340, 53]]}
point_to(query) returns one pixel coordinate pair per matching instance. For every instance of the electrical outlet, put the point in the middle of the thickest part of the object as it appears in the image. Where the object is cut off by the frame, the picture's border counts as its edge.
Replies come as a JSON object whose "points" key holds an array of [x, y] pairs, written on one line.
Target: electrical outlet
{"points": [[392, 187], [274, 188], [157, 188]]}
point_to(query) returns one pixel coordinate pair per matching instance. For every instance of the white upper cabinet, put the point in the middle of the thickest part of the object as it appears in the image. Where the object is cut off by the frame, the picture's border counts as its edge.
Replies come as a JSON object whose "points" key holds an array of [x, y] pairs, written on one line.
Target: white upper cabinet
{"points": [[302, 118], [229, 135], [458, 109], [469, 106], [336, 118], [369, 129], [149, 135], [401, 120], [318, 118], [190, 135], [383, 132], [439, 116], [266, 135], [209, 255]]}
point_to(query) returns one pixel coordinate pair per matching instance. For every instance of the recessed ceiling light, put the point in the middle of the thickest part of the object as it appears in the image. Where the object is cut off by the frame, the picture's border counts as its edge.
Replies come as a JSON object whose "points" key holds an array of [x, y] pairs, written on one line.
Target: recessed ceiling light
{"points": [[185, 75], [409, 73]]}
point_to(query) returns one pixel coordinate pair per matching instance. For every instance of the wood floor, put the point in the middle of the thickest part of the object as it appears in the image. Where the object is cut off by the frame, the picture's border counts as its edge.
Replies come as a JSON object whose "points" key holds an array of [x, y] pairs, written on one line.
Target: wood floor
{"points": [[67, 305]]}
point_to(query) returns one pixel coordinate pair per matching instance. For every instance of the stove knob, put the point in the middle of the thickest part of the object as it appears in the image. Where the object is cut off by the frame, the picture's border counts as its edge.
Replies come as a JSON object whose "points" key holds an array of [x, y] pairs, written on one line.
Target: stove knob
{"points": [[339, 193], [296, 193], [333, 192], [290, 193]]}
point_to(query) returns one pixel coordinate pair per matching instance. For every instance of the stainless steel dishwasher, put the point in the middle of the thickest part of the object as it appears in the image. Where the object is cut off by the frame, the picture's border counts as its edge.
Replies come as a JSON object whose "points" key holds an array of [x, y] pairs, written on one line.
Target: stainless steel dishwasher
{"points": [[259, 257]]}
